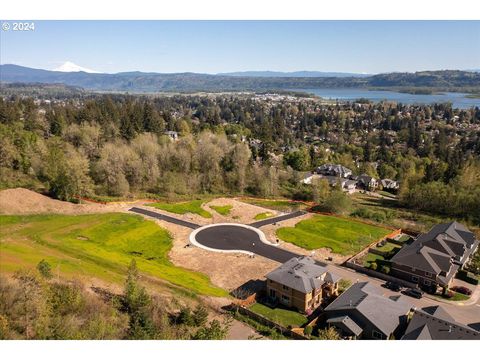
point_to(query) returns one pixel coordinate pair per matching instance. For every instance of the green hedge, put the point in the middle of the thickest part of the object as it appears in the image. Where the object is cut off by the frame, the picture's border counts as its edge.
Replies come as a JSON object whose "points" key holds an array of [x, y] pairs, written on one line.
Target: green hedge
{"points": [[467, 277]]}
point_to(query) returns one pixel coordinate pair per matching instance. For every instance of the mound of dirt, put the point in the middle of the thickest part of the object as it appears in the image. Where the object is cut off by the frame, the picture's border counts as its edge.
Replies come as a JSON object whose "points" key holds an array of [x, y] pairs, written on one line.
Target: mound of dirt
{"points": [[23, 201]]}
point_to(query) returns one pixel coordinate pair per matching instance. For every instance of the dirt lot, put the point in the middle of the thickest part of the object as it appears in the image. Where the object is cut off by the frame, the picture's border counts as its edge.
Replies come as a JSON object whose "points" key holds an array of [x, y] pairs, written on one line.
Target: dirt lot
{"points": [[241, 212], [21, 201], [225, 270]]}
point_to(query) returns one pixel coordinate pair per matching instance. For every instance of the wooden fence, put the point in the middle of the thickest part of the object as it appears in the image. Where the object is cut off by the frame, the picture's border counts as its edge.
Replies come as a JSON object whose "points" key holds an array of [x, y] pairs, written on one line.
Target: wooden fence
{"points": [[294, 333]]}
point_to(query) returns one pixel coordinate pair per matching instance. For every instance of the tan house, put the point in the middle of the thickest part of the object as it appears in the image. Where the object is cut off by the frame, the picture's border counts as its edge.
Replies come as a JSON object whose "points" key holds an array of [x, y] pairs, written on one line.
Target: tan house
{"points": [[302, 284]]}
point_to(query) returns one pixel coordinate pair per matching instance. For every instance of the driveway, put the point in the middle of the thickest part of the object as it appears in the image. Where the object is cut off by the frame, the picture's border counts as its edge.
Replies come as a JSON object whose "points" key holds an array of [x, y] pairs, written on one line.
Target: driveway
{"points": [[291, 215], [167, 218], [465, 314]]}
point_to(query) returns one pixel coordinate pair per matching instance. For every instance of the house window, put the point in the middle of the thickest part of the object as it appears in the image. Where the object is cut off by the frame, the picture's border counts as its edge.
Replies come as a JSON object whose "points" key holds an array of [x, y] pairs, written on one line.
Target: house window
{"points": [[285, 287], [426, 282], [285, 300], [273, 294], [427, 274], [415, 279], [377, 335]]}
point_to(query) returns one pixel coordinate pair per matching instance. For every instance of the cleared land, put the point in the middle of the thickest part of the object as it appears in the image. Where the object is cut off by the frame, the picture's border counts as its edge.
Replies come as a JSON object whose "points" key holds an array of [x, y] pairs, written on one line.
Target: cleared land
{"points": [[281, 316], [278, 205], [193, 207], [99, 246], [342, 236], [222, 210]]}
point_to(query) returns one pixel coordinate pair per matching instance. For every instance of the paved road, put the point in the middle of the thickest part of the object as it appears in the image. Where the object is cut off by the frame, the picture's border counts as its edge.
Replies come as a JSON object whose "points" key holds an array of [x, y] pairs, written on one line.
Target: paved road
{"points": [[465, 314], [277, 219], [167, 218], [231, 237]]}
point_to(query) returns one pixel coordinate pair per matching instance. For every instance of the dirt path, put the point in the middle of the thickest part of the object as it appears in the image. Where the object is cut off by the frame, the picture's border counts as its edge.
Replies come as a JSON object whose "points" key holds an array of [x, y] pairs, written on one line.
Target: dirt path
{"points": [[22, 201]]}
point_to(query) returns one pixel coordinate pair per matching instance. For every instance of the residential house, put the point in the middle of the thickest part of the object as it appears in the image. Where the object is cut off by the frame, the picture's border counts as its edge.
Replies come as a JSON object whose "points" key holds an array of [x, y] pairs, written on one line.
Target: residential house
{"points": [[366, 182], [302, 284], [389, 184], [344, 184], [363, 312], [434, 258], [334, 170], [434, 323]]}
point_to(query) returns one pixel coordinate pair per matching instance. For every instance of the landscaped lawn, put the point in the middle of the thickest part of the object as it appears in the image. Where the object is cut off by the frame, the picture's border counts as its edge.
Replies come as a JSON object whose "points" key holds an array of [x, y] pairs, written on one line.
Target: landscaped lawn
{"points": [[279, 205], [222, 210], [194, 207], [371, 258], [280, 316], [456, 297], [97, 245], [342, 236], [388, 247], [263, 216]]}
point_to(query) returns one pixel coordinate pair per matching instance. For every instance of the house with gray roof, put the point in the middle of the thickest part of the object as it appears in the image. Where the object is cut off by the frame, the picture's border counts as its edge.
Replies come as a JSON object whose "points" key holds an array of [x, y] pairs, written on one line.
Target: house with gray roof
{"points": [[343, 183], [334, 170], [302, 284], [434, 258], [434, 323], [366, 182], [363, 312]]}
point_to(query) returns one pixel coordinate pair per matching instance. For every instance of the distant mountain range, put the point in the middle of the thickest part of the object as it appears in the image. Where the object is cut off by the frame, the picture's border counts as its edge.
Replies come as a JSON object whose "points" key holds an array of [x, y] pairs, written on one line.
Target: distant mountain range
{"points": [[293, 74], [191, 82]]}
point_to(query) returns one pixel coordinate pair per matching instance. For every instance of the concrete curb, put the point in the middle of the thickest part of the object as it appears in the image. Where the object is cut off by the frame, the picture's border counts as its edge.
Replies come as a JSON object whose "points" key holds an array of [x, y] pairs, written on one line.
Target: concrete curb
{"points": [[261, 235]]}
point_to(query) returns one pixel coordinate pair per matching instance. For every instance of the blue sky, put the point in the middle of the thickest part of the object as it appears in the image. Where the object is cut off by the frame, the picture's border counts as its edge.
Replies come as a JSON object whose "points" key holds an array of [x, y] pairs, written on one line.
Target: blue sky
{"points": [[223, 46]]}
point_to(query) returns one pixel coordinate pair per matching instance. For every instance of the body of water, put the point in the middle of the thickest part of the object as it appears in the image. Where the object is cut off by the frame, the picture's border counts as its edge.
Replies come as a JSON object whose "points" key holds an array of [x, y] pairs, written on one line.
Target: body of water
{"points": [[458, 100]]}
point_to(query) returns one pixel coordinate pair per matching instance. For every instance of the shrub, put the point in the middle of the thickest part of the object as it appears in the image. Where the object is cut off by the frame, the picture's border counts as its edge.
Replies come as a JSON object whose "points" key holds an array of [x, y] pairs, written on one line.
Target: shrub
{"points": [[462, 290], [185, 316], [448, 294], [200, 315], [44, 269], [373, 266], [308, 330], [467, 277]]}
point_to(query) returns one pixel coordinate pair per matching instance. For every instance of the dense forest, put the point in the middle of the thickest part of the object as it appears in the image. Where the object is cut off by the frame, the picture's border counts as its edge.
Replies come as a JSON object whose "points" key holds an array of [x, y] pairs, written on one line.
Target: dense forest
{"points": [[116, 145]]}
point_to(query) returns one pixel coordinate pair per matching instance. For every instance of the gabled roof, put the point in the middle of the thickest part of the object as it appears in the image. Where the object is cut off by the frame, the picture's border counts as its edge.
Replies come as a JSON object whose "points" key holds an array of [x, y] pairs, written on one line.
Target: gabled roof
{"points": [[302, 274], [434, 251], [366, 299], [346, 324], [339, 170], [434, 323]]}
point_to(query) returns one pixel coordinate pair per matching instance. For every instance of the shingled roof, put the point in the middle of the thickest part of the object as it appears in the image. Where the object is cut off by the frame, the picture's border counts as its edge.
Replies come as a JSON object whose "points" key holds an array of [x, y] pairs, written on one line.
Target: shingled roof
{"points": [[302, 274], [434, 323], [440, 248], [366, 299]]}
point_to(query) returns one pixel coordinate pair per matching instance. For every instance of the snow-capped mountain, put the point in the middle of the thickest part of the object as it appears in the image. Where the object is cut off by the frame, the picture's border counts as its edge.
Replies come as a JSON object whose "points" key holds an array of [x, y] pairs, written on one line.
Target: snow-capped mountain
{"points": [[69, 66]]}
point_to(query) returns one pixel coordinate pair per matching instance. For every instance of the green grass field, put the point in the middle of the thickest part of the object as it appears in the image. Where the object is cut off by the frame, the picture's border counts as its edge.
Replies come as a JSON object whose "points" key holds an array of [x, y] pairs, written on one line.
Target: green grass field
{"points": [[194, 207], [98, 245], [342, 236], [263, 216], [222, 210], [279, 205], [371, 258], [281, 316]]}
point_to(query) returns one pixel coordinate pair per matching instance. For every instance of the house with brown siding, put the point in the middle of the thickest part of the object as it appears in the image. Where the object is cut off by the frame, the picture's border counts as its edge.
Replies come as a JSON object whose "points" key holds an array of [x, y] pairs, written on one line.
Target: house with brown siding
{"points": [[301, 283], [434, 258]]}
